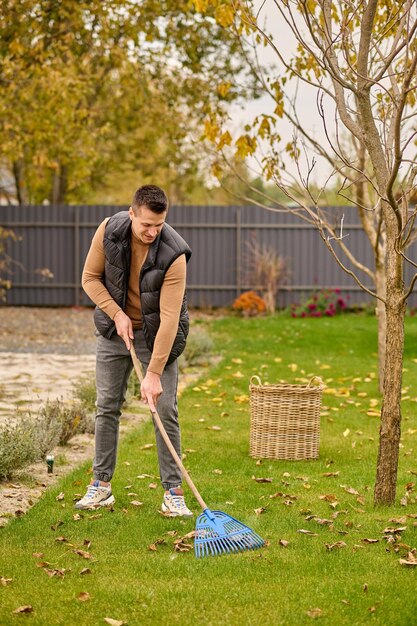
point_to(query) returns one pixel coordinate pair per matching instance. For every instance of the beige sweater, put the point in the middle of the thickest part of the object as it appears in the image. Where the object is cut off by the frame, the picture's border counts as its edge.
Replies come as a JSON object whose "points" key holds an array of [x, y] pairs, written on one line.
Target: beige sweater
{"points": [[172, 293]]}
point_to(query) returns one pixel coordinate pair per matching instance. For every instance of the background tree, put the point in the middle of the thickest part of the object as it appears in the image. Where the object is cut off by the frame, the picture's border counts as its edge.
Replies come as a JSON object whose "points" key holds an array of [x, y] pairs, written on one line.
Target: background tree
{"points": [[360, 59], [91, 89]]}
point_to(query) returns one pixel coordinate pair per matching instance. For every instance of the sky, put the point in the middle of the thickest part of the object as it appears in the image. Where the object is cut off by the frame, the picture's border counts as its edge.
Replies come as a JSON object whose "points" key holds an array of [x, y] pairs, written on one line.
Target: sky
{"points": [[306, 99]]}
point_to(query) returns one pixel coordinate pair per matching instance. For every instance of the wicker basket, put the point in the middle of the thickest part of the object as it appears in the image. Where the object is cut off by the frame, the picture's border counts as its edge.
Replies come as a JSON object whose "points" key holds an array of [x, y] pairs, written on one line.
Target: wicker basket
{"points": [[285, 420]]}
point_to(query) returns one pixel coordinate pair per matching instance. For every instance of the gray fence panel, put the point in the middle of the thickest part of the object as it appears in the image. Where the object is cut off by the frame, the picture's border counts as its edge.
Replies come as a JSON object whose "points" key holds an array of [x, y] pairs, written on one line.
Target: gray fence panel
{"points": [[58, 239]]}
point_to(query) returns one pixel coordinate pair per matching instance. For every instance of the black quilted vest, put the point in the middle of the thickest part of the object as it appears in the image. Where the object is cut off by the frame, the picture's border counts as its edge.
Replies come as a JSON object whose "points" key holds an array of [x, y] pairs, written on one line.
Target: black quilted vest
{"points": [[167, 247]]}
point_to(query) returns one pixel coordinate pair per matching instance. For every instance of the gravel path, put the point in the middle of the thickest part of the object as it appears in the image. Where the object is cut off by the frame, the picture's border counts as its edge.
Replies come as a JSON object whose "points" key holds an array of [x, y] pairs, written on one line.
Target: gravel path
{"points": [[47, 330], [43, 352]]}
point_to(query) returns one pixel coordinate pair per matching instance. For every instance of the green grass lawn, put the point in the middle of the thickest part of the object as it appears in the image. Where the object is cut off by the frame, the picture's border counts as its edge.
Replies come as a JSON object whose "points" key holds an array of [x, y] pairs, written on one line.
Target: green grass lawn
{"points": [[137, 577]]}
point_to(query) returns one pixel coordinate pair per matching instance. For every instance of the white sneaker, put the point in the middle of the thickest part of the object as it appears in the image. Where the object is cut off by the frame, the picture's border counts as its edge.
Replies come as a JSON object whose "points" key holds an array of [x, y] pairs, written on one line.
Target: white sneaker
{"points": [[97, 495], [174, 505]]}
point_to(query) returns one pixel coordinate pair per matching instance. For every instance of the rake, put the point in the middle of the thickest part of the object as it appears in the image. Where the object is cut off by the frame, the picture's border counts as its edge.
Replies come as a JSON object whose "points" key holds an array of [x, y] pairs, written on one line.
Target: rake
{"points": [[216, 532]]}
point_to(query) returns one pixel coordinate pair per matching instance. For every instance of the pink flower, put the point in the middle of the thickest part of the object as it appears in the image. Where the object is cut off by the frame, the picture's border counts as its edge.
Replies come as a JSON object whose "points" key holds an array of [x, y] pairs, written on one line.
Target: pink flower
{"points": [[312, 307]]}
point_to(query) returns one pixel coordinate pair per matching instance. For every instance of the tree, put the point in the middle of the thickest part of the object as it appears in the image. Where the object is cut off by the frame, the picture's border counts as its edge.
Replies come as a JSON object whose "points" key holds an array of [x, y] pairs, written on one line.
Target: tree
{"points": [[360, 59], [93, 88]]}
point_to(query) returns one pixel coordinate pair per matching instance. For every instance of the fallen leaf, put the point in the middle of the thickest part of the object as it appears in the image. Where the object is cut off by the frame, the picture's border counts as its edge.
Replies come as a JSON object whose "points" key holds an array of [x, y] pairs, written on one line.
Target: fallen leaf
{"points": [[85, 570], [410, 561], [60, 496], [238, 375], [219, 472], [37, 555], [76, 517], [262, 480], [5, 581], [370, 540], [284, 543], [350, 490], [60, 573], [330, 474], [307, 532], [24, 609], [114, 622], [83, 596], [153, 486], [182, 546], [96, 516], [126, 463], [314, 613], [61, 539], [346, 432], [338, 544], [147, 446], [83, 553], [136, 503], [213, 427], [261, 510]]}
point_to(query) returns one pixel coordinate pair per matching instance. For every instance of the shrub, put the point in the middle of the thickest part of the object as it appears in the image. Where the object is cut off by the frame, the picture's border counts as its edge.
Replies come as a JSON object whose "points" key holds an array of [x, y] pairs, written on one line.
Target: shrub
{"points": [[199, 347], [18, 446], [267, 272], [58, 423], [326, 302], [85, 393], [249, 304]]}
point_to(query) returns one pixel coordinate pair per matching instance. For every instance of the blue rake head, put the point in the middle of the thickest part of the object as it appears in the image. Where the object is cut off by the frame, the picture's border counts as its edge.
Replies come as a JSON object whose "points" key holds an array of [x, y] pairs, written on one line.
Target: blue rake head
{"points": [[217, 533]]}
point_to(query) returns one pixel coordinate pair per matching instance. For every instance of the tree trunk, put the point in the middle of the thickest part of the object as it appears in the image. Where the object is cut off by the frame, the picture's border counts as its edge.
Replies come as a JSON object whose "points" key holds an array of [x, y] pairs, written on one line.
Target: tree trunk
{"points": [[20, 183], [390, 430], [381, 290], [59, 185]]}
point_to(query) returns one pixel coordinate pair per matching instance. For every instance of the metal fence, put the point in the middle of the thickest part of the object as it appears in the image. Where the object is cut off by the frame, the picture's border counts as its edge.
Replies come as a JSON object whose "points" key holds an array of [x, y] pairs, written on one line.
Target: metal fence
{"points": [[58, 238]]}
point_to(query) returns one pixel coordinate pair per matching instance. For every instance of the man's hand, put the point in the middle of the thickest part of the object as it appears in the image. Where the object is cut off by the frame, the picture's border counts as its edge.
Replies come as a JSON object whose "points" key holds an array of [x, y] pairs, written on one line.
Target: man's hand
{"points": [[124, 327], [151, 389]]}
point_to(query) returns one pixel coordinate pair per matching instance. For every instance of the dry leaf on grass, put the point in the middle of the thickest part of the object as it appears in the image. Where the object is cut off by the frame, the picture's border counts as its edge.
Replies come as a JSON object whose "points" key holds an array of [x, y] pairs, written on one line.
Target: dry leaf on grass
{"points": [[302, 531], [338, 545], [147, 446], [261, 510], [85, 570], [59, 573], [370, 540], [330, 474], [83, 596], [153, 486], [350, 490], [24, 609], [410, 561], [5, 581], [284, 543], [114, 622], [60, 496], [314, 613], [262, 480], [136, 503], [83, 553]]}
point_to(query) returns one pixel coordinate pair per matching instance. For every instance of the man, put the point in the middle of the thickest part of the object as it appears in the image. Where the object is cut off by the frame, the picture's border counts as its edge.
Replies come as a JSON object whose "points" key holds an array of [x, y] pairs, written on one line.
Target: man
{"points": [[135, 273]]}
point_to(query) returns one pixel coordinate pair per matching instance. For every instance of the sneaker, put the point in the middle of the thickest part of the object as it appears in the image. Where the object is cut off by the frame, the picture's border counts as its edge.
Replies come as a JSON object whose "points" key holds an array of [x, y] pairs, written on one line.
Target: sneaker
{"points": [[174, 505], [97, 495]]}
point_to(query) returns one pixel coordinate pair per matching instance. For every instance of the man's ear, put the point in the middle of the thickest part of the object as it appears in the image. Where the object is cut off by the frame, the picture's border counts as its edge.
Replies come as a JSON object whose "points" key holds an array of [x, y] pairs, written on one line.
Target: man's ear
{"points": [[131, 213]]}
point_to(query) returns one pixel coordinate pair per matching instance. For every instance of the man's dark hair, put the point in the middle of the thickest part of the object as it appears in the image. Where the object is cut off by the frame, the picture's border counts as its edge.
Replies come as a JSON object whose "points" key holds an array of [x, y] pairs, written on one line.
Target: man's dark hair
{"points": [[152, 197]]}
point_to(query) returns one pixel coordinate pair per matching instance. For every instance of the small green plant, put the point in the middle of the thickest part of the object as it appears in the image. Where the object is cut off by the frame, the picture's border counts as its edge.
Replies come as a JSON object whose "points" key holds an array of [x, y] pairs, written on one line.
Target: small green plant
{"points": [[18, 446], [85, 393], [325, 302], [199, 347]]}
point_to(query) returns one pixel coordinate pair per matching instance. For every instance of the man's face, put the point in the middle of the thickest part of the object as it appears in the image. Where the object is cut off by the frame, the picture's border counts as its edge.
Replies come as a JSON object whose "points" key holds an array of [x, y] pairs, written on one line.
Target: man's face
{"points": [[146, 224]]}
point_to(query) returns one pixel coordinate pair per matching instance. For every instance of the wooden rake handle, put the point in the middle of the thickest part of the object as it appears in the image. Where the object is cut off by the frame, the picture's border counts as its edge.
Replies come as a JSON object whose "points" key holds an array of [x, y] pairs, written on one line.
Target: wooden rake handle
{"points": [[138, 369]]}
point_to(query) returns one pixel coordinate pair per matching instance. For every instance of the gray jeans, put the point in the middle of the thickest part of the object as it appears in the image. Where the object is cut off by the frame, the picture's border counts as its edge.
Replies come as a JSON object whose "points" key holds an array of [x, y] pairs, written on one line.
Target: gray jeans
{"points": [[113, 368]]}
